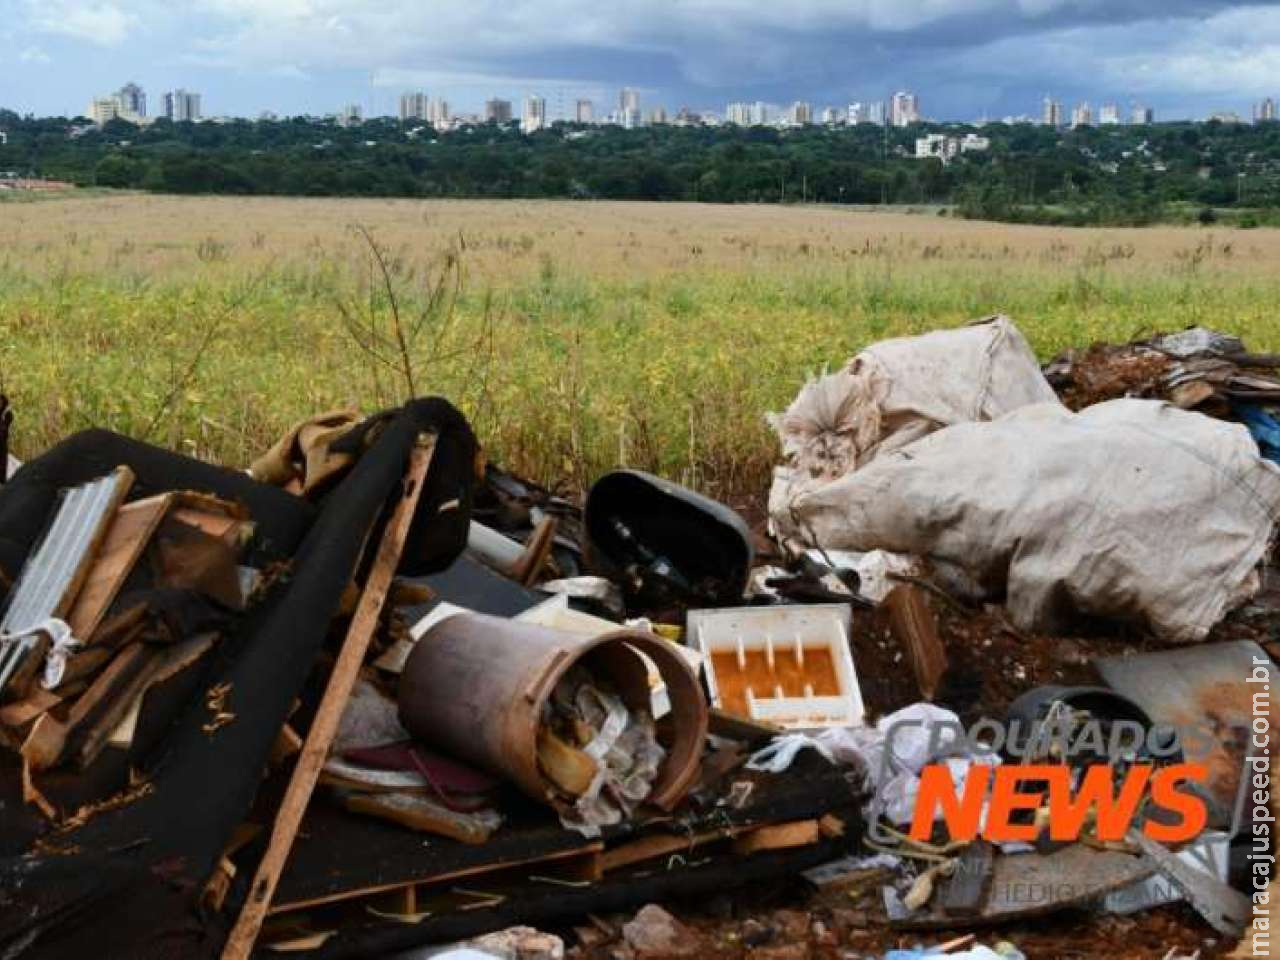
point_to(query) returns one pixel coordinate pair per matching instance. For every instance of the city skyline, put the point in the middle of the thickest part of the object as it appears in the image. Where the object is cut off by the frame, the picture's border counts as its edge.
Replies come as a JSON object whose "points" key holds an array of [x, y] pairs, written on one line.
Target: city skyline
{"points": [[966, 58], [901, 109]]}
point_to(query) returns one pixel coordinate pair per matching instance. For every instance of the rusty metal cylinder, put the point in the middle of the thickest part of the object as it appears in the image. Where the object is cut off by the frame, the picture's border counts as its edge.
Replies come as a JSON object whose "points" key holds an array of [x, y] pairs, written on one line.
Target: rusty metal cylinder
{"points": [[476, 685]]}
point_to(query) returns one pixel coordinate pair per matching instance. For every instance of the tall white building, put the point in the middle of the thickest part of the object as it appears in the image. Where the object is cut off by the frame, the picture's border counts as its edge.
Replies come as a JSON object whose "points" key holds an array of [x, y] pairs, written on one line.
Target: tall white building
{"points": [[497, 110], [180, 105], [584, 111], [350, 115], [438, 111], [1142, 115], [535, 114], [904, 109], [1051, 114], [1109, 115], [133, 100], [1265, 111], [628, 99], [760, 115], [800, 114], [831, 116], [1082, 115], [876, 113], [413, 106], [103, 109], [658, 115], [738, 114], [856, 114]]}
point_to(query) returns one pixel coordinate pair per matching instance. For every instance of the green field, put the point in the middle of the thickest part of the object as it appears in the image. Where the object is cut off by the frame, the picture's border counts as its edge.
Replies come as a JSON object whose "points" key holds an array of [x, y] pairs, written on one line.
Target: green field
{"points": [[576, 336]]}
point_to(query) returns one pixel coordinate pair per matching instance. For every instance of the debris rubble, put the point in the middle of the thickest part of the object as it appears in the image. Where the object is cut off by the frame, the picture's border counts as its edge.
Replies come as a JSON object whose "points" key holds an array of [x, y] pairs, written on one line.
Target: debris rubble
{"points": [[374, 696]]}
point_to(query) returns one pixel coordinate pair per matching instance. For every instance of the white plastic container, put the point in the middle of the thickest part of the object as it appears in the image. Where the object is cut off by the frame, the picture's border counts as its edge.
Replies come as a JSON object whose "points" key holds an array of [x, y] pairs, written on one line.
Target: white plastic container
{"points": [[790, 666]]}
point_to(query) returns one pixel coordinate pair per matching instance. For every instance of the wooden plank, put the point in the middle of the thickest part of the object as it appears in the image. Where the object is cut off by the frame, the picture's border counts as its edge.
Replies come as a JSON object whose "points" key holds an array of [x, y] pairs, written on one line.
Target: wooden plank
{"points": [[48, 737], [126, 538], [420, 813], [288, 743], [966, 891], [915, 628], [536, 553], [89, 731], [662, 845], [216, 525], [89, 737], [781, 836], [325, 725], [95, 545], [24, 711], [473, 871]]}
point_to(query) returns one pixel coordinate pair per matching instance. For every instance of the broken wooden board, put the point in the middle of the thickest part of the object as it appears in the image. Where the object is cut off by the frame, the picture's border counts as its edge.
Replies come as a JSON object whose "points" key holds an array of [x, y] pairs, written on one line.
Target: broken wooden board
{"points": [[126, 538], [1033, 884], [915, 628], [171, 661], [537, 551], [485, 867], [339, 856], [780, 836], [499, 904], [417, 812], [325, 723], [218, 518], [49, 736], [663, 845], [22, 712], [1202, 688]]}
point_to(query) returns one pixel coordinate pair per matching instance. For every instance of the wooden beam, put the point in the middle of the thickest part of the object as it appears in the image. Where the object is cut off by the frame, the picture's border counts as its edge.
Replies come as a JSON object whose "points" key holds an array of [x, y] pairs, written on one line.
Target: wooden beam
{"points": [[536, 553], [24, 711], [420, 813], [663, 844], [587, 849], [288, 743], [48, 737], [914, 626], [782, 836], [315, 749]]}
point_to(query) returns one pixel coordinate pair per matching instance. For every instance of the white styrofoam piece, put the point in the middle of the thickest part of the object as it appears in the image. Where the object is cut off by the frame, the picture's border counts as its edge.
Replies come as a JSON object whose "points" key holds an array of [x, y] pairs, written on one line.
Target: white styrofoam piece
{"points": [[794, 628]]}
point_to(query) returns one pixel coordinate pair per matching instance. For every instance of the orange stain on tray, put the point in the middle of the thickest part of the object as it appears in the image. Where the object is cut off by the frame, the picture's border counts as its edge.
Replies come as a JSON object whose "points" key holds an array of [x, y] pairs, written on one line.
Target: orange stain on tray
{"points": [[732, 681]]}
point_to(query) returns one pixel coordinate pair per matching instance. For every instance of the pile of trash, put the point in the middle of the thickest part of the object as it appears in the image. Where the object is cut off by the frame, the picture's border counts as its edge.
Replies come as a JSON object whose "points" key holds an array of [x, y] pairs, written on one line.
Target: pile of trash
{"points": [[374, 693]]}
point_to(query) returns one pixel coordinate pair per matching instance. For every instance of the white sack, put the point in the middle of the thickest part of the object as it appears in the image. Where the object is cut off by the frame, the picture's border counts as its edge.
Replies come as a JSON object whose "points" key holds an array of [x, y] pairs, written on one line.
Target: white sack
{"points": [[1131, 509], [898, 391]]}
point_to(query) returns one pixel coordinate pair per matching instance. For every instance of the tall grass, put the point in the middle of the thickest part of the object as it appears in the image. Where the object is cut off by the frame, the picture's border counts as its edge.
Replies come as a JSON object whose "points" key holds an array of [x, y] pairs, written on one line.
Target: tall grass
{"points": [[565, 373]]}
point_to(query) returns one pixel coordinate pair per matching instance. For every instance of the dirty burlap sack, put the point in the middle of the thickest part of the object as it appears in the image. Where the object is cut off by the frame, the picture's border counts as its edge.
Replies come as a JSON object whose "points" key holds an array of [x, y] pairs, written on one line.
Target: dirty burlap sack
{"points": [[1130, 509]]}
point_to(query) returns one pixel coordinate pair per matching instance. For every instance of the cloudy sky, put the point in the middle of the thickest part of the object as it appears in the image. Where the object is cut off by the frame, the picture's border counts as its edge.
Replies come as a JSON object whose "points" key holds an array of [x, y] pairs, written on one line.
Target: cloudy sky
{"points": [[965, 58]]}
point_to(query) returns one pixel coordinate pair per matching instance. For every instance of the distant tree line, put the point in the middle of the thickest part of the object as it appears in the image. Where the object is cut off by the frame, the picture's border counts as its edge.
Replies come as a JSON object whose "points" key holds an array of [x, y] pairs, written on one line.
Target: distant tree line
{"points": [[1100, 175]]}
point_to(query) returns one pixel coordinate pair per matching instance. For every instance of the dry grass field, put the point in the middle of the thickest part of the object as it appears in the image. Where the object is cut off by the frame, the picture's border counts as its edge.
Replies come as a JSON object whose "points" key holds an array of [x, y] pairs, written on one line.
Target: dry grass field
{"points": [[576, 335]]}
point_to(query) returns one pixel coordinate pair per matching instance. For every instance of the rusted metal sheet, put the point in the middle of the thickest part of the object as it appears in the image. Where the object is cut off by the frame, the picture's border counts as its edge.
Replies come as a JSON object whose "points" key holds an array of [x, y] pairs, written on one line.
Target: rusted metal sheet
{"points": [[1203, 689]]}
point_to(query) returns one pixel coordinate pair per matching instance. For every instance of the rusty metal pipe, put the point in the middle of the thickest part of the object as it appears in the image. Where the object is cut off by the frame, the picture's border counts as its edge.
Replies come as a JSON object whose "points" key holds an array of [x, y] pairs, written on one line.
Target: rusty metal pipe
{"points": [[475, 686]]}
